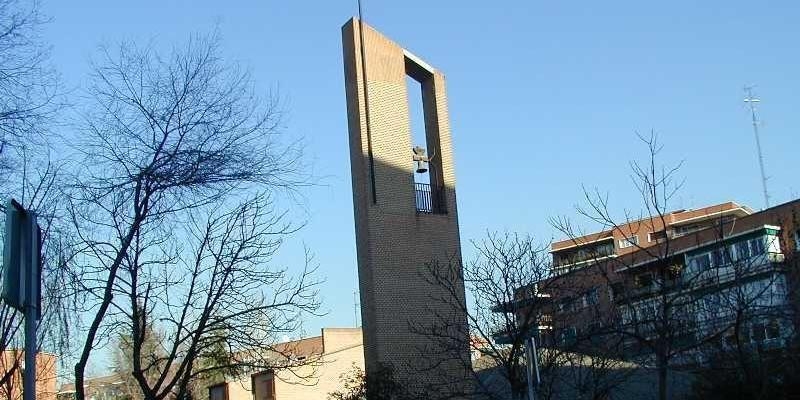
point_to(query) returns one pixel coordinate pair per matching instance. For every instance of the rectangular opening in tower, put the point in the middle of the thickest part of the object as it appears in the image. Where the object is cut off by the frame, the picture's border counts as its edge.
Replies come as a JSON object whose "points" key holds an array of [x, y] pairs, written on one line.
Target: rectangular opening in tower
{"points": [[416, 118], [424, 122]]}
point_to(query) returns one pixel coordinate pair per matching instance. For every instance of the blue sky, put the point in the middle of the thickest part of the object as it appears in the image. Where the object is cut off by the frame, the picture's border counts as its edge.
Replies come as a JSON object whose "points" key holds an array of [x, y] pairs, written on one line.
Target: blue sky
{"points": [[544, 97]]}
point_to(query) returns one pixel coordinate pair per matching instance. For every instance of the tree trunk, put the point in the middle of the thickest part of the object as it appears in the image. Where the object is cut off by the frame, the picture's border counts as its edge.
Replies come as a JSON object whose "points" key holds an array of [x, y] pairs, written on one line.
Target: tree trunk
{"points": [[108, 296]]}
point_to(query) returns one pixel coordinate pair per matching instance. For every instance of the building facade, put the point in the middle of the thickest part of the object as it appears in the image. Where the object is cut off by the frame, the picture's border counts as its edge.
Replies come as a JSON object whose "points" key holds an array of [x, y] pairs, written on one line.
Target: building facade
{"points": [[406, 218], [725, 278], [323, 361], [631, 236], [106, 387], [12, 364]]}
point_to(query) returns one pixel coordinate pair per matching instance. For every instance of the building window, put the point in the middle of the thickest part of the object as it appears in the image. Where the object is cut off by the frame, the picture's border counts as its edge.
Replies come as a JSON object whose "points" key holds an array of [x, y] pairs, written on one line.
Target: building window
{"points": [[686, 229], [742, 250], [758, 334], [643, 280], [218, 392], [700, 263], [628, 242], [756, 246], [565, 305], [659, 236], [584, 253], [616, 291], [627, 315], [797, 240], [591, 297], [717, 259], [567, 335], [263, 385]]}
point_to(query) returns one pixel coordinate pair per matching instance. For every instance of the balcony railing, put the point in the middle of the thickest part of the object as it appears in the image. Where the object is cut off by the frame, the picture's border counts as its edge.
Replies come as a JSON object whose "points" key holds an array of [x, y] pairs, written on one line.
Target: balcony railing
{"points": [[713, 278], [430, 199]]}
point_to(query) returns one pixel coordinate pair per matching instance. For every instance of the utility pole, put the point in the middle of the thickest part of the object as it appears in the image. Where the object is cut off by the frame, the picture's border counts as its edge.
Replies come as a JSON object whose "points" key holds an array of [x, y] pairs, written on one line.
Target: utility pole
{"points": [[751, 102]]}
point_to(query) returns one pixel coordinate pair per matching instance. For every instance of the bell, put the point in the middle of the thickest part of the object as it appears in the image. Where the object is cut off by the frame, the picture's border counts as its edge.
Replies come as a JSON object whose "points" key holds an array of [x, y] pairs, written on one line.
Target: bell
{"points": [[422, 166]]}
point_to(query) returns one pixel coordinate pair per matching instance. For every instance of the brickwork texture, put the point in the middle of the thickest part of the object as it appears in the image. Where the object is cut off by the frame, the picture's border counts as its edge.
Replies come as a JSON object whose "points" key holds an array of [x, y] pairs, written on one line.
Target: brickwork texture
{"points": [[395, 243]]}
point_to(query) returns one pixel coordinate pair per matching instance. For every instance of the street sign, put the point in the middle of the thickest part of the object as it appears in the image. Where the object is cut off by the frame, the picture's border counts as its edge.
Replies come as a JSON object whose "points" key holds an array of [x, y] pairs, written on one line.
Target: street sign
{"points": [[21, 272], [22, 277]]}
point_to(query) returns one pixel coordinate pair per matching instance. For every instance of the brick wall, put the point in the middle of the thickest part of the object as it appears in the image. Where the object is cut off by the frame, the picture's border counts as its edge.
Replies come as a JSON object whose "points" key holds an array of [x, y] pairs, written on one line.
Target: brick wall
{"points": [[394, 242]]}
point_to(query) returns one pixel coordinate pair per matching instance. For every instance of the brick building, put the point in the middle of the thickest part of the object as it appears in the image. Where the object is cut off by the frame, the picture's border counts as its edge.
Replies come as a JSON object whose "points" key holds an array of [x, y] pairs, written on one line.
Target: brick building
{"points": [[405, 211], [575, 253], [713, 278], [12, 364]]}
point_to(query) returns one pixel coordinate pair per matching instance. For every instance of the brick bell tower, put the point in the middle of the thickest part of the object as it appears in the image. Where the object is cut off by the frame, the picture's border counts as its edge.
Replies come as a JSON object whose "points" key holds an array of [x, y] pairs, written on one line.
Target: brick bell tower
{"points": [[404, 219]]}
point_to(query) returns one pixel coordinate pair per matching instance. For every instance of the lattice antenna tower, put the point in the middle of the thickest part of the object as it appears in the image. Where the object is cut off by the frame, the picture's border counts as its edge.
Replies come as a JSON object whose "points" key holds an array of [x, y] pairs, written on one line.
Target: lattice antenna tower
{"points": [[751, 102]]}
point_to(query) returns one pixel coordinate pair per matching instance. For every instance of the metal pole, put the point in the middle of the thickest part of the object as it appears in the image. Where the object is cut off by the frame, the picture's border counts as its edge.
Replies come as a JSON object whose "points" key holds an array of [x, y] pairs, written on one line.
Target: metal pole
{"points": [[31, 307], [29, 383], [533, 367], [535, 360]]}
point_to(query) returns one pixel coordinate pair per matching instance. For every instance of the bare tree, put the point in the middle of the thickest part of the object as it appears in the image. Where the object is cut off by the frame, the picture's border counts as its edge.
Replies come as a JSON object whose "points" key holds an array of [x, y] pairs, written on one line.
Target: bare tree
{"points": [[217, 300], [508, 281], [28, 85], [738, 366], [29, 99], [38, 189], [168, 139], [655, 307], [502, 278]]}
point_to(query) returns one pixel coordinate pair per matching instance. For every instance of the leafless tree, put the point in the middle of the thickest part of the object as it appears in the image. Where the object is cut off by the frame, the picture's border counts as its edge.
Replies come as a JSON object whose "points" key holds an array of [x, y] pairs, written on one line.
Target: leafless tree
{"points": [[665, 330], [179, 155], [507, 280], [218, 304], [768, 367], [503, 318], [28, 84], [37, 189], [29, 99]]}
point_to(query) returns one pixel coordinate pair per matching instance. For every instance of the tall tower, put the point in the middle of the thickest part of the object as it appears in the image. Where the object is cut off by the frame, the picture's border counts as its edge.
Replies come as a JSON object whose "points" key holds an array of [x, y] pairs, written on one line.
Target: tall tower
{"points": [[402, 226]]}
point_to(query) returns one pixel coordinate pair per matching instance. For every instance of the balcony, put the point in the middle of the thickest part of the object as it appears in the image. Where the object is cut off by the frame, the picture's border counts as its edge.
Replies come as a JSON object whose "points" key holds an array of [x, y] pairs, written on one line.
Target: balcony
{"points": [[732, 273], [430, 199], [584, 254]]}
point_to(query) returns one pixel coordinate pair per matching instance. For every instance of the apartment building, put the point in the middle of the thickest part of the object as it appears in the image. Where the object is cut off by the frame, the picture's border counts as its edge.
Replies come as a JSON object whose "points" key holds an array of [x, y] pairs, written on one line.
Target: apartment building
{"points": [[631, 236], [714, 277]]}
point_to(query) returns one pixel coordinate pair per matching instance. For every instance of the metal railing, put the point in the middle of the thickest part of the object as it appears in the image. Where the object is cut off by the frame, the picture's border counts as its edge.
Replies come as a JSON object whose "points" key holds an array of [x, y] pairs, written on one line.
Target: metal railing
{"points": [[430, 199]]}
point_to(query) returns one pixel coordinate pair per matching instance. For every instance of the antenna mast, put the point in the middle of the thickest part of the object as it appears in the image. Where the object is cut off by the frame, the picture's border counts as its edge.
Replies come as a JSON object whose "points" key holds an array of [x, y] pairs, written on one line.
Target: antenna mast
{"points": [[751, 102]]}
